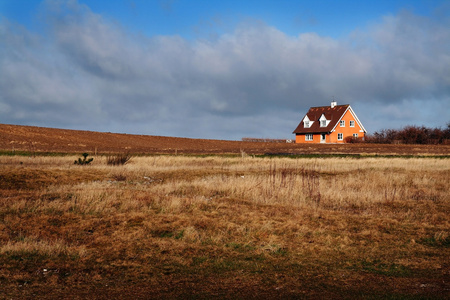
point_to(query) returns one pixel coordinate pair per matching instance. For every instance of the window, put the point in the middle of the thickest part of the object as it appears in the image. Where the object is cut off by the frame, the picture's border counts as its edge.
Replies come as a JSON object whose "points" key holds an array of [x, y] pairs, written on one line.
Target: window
{"points": [[352, 123], [309, 137], [323, 121], [342, 123], [307, 122], [340, 137], [355, 135]]}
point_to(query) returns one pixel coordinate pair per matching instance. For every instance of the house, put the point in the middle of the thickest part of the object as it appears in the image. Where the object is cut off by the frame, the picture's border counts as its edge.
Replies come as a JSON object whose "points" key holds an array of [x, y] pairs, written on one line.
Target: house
{"points": [[329, 124]]}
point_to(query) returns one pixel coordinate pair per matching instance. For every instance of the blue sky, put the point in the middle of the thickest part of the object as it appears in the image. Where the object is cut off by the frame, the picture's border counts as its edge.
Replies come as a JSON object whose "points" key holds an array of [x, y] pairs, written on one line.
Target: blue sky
{"points": [[222, 69], [192, 19]]}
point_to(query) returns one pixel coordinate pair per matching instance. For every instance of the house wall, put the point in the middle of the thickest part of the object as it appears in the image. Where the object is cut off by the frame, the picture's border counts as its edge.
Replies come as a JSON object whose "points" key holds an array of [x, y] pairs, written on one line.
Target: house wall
{"points": [[333, 137], [347, 130], [300, 139]]}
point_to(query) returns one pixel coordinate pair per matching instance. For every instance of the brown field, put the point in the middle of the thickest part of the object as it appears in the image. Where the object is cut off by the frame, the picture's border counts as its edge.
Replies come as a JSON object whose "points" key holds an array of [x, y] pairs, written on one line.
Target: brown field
{"points": [[221, 227], [39, 139]]}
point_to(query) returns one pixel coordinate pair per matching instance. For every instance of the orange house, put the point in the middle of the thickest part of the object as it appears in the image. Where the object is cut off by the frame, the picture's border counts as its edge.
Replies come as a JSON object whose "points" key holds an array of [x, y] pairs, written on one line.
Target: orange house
{"points": [[329, 124]]}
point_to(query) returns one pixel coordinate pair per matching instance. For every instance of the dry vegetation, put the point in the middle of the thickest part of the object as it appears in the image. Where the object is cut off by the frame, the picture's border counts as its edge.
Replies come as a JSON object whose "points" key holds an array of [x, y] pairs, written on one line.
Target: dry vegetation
{"points": [[16, 139], [224, 227]]}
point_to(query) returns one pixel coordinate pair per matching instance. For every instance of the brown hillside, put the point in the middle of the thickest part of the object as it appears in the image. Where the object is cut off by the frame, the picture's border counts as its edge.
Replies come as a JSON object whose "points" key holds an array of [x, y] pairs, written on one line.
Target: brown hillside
{"points": [[41, 139]]}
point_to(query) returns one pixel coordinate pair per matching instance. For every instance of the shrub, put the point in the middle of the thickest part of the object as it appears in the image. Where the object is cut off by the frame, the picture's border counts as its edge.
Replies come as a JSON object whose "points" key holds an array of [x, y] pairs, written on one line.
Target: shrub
{"points": [[353, 140], [84, 161], [411, 135], [118, 160]]}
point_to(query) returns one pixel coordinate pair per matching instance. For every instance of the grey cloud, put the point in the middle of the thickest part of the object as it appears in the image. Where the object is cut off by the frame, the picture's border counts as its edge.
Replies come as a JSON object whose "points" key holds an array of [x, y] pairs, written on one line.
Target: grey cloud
{"points": [[90, 73], [33, 81]]}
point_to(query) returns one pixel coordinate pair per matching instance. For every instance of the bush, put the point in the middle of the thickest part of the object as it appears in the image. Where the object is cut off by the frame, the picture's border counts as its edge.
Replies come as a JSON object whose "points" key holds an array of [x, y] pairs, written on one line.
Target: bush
{"points": [[353, 140], [118, 160], [84, 161], [411, 135]]}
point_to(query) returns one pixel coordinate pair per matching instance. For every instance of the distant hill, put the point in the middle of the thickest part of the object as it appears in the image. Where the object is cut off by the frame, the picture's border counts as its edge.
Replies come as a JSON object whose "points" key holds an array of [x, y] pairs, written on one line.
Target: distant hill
{"points": [[42, 139]]}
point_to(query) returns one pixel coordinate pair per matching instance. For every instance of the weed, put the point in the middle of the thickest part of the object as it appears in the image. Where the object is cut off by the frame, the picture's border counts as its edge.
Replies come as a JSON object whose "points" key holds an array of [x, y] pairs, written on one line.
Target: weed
{"points": [[118, 160], [84, 161], [440, 240], [119, 177]]}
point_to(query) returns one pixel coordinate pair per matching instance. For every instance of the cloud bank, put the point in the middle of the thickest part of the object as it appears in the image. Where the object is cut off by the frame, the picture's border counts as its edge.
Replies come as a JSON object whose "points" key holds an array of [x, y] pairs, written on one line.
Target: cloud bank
{"points": [[83, 71]]}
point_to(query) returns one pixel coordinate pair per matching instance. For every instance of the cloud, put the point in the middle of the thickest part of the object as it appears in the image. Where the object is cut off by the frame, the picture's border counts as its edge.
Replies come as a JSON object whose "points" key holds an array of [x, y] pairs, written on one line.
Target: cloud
{"points": [[87, 72]]}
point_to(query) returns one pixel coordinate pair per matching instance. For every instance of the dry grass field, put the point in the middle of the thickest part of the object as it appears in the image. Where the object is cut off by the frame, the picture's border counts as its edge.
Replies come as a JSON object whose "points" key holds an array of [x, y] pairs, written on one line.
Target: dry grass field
{"points": [[225, 227]]}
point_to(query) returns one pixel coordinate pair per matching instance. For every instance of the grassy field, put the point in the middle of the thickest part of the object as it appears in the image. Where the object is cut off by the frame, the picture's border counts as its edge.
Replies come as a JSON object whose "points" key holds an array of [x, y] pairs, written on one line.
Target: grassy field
{"points": [[225, 227]]}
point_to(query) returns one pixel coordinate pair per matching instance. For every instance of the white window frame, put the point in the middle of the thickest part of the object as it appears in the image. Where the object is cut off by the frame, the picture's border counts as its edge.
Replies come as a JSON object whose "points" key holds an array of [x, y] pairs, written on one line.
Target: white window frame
{"points": [[355, 135], [352, 123], [309, 137], [342, 123], [307, 124], [340, 136]]}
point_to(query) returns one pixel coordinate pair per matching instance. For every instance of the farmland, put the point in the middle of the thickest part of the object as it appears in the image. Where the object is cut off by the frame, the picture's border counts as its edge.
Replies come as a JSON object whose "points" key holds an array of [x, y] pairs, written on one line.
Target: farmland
{"points": [[19, 139], [196, 225]]}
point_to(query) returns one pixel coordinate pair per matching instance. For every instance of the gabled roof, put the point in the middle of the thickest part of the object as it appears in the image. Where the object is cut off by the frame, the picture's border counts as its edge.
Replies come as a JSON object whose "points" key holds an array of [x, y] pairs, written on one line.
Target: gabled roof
{"points": [[334, 115]]}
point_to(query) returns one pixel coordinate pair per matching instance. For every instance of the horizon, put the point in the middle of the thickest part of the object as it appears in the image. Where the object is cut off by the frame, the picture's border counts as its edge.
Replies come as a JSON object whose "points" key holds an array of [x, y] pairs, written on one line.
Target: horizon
{"points": [[222, 69]]}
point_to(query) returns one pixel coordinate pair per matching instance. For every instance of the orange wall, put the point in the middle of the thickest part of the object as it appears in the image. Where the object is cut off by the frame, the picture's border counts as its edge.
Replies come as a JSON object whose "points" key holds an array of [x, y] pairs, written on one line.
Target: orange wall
{"points": [[300, 138], [347, 130], [333, 137]]}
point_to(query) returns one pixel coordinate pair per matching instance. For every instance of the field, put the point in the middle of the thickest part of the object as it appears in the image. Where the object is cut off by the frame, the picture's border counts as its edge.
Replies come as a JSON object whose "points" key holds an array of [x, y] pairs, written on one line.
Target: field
{"points": [[228, 227], [202, 219], [19, 139]]}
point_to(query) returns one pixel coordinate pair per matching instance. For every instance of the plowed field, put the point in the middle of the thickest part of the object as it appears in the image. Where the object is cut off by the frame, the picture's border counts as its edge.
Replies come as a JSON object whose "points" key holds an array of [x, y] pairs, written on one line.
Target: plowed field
{"points": [[40, 139]]}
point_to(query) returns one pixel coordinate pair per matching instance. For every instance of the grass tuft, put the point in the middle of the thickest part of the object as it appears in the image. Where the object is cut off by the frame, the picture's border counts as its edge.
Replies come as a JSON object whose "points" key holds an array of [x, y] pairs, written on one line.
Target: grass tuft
{"points": [[118, 159]]}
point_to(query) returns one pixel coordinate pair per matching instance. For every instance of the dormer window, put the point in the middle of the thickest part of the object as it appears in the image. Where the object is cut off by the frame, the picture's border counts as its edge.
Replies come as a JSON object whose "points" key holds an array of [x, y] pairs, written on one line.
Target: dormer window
{"points": [[323, 121], [307, 123]]}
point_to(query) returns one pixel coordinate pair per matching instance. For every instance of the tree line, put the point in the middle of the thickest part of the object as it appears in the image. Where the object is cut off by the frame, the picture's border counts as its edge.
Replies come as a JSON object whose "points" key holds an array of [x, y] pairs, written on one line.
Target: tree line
{"points": [[411, 135]]}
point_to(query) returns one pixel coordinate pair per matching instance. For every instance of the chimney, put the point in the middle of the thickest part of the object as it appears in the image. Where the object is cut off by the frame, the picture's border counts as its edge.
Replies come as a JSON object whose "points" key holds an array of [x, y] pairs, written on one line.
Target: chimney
{"points": [[333, 104]]}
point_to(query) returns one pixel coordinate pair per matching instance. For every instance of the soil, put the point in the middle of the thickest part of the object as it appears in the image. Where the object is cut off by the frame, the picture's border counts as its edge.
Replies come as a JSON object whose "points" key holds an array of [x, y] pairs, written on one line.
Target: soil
{"points": [[40, 139]]}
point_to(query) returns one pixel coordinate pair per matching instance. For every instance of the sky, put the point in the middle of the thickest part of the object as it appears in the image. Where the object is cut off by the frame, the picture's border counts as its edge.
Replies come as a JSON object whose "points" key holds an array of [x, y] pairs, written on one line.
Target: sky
{"points": [[222, 69]]}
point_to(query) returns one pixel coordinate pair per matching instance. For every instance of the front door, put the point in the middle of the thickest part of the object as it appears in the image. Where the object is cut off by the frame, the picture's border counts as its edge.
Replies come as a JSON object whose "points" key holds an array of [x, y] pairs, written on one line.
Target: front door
{"points": [[322, 137]]}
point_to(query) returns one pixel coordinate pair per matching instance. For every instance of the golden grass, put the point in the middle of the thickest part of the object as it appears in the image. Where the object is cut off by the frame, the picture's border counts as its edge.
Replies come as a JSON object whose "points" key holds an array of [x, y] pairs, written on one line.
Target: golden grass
{"points": [[30, 245], [285, 222]]}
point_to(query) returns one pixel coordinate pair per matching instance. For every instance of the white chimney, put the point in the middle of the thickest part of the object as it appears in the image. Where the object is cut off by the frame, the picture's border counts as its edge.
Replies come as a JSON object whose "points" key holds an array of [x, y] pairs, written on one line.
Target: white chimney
{"points": [[333, 104]]}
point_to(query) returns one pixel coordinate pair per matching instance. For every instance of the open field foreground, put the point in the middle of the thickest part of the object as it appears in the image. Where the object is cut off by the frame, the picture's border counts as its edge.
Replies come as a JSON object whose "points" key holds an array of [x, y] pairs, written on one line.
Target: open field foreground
{"points": [[15, 138], [224, 227]]}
